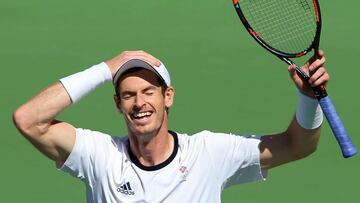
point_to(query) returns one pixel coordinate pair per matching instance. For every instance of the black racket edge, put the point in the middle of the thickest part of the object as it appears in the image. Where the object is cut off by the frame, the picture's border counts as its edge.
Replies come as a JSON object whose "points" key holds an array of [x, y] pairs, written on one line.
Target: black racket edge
{"points": [[336, 125]]}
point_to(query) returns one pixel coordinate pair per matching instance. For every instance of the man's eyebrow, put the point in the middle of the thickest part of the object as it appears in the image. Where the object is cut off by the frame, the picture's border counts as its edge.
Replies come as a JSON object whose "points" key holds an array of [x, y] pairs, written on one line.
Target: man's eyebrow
{"points": [[150, 87], [126, 92]]}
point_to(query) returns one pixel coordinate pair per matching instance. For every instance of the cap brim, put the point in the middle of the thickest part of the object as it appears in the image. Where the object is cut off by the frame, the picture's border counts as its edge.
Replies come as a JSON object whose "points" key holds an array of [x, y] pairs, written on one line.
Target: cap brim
{"points": [[133, 63]]}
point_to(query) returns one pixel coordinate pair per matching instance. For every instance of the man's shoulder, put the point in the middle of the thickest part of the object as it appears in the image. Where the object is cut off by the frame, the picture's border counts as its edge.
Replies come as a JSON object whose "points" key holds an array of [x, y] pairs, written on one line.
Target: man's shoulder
{"points": [[202, 134], [197, 134], [207, 136], [195, 139], [98, 137]]}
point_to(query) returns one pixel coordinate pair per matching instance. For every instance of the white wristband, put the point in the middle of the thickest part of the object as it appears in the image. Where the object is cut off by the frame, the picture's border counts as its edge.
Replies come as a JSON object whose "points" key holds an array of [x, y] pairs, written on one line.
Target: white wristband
{"points": [[80, 84], [309, 114]]}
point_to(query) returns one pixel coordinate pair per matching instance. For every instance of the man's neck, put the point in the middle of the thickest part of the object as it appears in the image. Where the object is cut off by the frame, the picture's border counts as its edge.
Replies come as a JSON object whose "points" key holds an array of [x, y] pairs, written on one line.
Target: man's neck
{"points": [[153, 151]]}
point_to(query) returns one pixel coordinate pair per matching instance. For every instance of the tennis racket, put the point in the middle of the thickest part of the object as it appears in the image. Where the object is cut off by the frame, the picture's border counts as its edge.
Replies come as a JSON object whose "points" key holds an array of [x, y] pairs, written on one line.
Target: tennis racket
{"points": [[291, 29]]}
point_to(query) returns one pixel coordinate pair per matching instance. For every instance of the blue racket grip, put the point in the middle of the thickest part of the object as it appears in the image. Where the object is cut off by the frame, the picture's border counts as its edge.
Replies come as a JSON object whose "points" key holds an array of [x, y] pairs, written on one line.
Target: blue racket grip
{"points": [[347, 148]]}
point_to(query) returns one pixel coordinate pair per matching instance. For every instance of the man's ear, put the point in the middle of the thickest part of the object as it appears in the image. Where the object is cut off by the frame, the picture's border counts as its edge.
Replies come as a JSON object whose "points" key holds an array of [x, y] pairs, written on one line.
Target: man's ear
{"points": [[169, 96], [117, 103]]}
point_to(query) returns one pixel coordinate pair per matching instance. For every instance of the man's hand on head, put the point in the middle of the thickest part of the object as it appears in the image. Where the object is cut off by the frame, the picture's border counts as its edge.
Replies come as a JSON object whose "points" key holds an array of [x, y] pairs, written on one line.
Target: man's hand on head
{"points": [[116, 62]]}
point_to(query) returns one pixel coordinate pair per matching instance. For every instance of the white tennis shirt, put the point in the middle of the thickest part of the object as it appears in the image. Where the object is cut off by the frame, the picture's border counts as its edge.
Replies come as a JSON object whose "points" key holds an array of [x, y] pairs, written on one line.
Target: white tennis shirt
{"points": [[199, 168]]}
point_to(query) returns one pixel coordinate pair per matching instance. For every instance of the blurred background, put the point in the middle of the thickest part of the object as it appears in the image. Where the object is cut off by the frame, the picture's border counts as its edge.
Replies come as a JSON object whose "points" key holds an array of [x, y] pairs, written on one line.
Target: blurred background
{"points": [[225, 82]]}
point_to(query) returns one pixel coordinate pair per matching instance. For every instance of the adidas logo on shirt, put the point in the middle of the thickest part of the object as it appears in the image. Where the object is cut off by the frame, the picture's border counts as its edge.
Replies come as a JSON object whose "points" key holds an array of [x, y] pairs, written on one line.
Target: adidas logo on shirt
{"points": [[126, 189]]}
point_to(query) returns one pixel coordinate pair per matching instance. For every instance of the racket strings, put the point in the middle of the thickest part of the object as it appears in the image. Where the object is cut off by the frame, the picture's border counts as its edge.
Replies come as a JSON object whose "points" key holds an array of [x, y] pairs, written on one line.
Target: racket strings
{"points": [[286, 25]]}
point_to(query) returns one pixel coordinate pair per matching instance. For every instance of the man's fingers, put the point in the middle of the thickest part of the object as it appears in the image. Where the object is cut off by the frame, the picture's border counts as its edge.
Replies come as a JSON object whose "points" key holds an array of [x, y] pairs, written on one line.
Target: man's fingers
{"points": [[315, 65], [140, 54], [320, 78], [116, 62], [294, 75], [320, 53]]}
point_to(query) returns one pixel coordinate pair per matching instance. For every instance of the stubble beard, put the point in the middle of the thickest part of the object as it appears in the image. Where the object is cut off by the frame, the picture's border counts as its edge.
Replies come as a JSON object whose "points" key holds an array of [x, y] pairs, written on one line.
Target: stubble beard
{"points": [[148, 134]]}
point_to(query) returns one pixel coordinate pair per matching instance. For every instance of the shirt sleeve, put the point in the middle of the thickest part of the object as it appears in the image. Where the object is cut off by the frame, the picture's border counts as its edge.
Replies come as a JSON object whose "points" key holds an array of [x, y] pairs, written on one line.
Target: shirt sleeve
{"points": [[88, 157], [235, 158]]}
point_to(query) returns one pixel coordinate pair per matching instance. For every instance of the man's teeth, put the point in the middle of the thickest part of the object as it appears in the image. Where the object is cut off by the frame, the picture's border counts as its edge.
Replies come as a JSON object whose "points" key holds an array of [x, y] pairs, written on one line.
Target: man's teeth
{"points": [[142, 114]]}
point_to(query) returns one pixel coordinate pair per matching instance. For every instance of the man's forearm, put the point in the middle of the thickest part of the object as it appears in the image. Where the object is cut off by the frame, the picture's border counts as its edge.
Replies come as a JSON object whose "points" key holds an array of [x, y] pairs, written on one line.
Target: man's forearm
{"points": [[35, 116], [303, 141]]}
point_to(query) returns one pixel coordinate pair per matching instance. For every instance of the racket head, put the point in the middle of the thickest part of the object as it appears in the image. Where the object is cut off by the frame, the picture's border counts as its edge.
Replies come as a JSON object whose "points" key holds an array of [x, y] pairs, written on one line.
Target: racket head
{"points": [[287, 28]]}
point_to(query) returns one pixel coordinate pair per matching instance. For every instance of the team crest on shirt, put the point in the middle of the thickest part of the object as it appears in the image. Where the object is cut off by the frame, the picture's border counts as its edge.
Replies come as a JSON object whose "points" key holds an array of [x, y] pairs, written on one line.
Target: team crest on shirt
{"points": [[126, 189], [184, 171]]}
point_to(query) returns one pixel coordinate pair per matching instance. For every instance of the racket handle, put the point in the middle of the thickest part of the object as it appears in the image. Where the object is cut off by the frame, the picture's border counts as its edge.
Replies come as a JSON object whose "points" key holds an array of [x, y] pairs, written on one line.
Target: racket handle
{"points": [[347, 147]]}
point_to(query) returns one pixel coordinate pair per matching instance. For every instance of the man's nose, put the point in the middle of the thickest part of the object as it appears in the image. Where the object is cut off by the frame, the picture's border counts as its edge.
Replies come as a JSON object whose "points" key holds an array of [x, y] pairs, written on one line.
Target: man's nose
{"points": [[139, 102]]}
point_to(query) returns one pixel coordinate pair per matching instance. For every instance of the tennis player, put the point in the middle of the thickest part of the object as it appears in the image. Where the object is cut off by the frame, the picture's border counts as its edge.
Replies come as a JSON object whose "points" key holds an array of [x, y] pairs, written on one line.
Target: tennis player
{"points": [[153, 163]]}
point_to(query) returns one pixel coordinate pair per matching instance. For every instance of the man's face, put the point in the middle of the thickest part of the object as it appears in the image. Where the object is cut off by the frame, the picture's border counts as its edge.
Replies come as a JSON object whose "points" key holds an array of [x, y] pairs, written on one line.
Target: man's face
{"points": [[143, 102]]}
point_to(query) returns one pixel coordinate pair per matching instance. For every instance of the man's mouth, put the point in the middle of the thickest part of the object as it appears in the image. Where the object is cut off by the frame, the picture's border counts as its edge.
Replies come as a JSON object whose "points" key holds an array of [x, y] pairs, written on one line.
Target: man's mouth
{"points": [[141, 115]]}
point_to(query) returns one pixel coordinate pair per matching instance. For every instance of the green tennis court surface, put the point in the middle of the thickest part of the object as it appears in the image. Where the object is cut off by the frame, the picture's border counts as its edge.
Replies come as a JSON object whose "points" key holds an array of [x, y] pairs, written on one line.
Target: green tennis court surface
{"points": [[225, 82]]}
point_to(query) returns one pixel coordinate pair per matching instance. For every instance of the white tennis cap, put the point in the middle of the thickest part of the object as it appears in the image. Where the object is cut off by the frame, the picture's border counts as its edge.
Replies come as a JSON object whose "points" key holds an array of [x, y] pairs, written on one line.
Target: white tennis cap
{"points": [[160, 71]]}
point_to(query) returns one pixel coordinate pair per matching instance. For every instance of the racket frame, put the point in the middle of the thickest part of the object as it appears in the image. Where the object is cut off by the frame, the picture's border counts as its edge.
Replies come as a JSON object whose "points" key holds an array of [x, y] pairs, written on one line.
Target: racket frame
{"points": [[344, 141]]}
